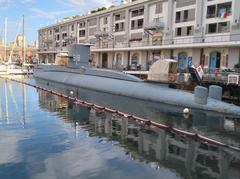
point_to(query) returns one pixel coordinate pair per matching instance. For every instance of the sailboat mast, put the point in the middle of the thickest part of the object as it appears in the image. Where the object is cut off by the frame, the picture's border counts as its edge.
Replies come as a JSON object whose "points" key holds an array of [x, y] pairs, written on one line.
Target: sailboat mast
{"points": [[5, 40], [23, 42]]}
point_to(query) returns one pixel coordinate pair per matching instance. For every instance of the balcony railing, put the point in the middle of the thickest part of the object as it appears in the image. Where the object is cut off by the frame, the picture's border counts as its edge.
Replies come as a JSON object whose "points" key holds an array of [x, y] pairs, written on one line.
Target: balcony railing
{"points": [[155, 25], [101, 34], [184, 3], [117, 18], [138, 13], [174, 41]]}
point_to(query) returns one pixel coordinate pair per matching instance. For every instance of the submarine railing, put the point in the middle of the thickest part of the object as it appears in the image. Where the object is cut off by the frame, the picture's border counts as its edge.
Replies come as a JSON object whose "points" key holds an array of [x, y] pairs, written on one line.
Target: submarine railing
{"points": [[193, 136]]}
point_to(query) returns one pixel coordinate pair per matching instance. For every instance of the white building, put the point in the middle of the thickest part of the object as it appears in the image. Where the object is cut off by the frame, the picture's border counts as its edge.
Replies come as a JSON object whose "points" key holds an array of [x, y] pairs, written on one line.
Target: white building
{"points": [[135, 34]]}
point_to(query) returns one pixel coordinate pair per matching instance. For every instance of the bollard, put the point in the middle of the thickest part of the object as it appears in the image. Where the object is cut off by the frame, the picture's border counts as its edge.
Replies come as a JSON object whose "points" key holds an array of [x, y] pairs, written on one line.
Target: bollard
{"points": [[215, 92], [200, 95]]}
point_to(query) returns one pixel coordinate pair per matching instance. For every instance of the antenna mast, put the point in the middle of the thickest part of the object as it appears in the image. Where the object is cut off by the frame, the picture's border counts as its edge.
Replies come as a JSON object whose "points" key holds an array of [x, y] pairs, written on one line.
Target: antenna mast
{"points": [[23, 42], [5, 40]]}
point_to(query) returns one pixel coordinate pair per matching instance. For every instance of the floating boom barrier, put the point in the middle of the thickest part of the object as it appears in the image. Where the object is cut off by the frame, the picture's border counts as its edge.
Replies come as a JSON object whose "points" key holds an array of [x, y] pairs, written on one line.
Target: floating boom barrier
{"points": [[143, 121]]}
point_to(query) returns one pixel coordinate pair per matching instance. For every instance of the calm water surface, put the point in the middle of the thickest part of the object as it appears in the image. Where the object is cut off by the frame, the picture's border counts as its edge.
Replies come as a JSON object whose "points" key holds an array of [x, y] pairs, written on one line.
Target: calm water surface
{"points": [[44, 136]]}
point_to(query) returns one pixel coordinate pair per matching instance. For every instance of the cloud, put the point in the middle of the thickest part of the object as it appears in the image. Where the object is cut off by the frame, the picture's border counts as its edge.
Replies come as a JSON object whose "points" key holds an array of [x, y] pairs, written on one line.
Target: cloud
{"points": [[87, 5], [50, 15], [103, 2], [5, 4]]}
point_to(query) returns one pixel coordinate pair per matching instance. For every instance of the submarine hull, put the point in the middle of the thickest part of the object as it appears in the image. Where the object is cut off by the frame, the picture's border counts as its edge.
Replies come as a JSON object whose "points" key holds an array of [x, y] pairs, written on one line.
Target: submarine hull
{"points": [[131, 88]]}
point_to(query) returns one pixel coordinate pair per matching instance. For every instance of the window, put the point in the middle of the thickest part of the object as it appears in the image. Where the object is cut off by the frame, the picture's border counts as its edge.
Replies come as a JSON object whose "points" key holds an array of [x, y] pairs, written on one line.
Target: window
{"points": [[137, 24], [178, 17], [212, 28], [64, 35], [81, 33], [117, 17], [140, 24], [133, 25], [137, 12], [224, 9], [64, 44], [50, 32], [211, 11], [119, 27], [116, 27], [223, 27], [81, 24], [185, 15], [72, 27], [135, 59], [179, 31], [105, 21], [141, 12], [158, 8], [189, 30]]}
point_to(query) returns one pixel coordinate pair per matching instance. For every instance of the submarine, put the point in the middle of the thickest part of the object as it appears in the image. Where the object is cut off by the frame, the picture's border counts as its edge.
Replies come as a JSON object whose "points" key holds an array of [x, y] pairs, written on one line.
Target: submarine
{"points": [[79, 73]]}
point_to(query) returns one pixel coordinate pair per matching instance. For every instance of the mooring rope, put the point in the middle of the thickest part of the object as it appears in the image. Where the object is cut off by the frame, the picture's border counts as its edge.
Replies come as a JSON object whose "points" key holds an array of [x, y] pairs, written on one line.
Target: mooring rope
{"points": [[193, 136]]}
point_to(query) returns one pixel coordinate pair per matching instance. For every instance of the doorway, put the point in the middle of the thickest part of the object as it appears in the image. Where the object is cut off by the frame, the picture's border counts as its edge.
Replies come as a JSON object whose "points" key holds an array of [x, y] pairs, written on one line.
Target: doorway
{"points": [[215, 60], [105, 60]]}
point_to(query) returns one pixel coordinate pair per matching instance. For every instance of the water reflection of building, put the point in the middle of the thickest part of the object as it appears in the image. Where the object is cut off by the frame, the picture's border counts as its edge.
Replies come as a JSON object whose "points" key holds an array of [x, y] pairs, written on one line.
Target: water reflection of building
{"points": [[189, 158]]}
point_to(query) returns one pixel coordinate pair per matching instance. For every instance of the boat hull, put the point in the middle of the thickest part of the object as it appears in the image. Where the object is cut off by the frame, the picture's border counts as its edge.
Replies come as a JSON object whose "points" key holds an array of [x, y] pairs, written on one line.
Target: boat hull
{"points": [[139, 90]]}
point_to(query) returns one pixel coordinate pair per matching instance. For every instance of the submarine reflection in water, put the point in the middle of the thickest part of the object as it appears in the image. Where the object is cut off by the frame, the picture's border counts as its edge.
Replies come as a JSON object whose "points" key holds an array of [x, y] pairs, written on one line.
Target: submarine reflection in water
{"points": [[188, 158], [217, 126]]}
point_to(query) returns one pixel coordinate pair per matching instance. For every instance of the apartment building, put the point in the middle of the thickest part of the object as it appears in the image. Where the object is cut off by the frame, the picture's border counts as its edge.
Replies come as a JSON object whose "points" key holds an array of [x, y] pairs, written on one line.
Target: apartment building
{"points": [[136, 34]]}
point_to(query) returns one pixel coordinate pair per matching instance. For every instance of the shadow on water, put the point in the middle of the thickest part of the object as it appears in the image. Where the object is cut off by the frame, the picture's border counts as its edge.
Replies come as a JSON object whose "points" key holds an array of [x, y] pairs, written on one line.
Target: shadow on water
{"points": [[189, 158]]}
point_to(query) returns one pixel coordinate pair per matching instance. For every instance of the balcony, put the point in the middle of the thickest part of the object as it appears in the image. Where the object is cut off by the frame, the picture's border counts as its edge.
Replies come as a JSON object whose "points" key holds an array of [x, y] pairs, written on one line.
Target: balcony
{"points": [[161, 41], [155, 25], [48, 41], [119, 17], [138, 12], [183, 3], [101, 34]]}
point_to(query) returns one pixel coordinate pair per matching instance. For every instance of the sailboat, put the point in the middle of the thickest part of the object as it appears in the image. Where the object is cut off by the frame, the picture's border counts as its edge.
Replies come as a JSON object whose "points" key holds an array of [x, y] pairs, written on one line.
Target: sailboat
{"points": [[3, 67], [13, 68]]}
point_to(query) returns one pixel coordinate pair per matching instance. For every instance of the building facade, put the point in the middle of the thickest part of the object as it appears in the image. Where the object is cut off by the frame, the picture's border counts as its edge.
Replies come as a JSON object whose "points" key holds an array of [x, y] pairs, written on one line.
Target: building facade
{"points": [[136, 34], [14, 51]]}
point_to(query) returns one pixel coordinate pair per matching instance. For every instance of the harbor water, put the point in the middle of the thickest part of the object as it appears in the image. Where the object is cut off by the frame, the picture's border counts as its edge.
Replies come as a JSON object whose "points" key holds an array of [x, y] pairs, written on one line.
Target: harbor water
{"points": [[45, 136]]}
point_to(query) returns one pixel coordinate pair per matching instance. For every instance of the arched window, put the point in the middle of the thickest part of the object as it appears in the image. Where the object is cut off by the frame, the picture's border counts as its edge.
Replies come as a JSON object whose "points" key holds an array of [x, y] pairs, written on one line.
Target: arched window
{"points": [[182, 60], [105, 60], [118, 61], [135, 59]]}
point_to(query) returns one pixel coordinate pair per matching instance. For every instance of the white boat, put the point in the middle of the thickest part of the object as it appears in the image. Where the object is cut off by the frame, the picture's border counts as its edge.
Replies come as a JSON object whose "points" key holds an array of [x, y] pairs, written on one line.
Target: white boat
{"points": [[3, 69], [11, 68]]}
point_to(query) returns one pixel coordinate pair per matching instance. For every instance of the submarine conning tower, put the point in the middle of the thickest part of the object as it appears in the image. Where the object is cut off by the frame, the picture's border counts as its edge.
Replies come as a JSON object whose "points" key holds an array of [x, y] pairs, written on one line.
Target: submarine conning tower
{"points": [[79, 55]]}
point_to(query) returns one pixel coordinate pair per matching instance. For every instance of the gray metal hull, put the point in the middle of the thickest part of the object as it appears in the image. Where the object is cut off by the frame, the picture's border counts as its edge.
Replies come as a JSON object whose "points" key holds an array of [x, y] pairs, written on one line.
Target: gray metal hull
{"points": [[135, 89]]}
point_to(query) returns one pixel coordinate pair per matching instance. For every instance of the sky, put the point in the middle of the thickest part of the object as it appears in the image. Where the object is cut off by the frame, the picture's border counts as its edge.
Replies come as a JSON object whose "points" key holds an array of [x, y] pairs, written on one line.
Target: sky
{"points": [[40, 13]]}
